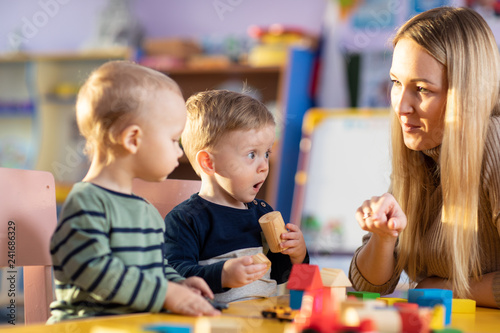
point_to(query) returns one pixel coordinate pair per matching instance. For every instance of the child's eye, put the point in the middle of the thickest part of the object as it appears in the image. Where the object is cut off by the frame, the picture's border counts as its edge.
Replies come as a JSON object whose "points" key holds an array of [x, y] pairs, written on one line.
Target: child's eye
{"points": [[268, 153], [422, 89], [396, 82], [251, 155]]}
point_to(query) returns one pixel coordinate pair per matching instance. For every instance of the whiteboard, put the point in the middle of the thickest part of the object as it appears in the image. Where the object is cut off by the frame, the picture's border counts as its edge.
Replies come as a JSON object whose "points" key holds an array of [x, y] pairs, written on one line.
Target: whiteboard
{"points": [[347, 162]]}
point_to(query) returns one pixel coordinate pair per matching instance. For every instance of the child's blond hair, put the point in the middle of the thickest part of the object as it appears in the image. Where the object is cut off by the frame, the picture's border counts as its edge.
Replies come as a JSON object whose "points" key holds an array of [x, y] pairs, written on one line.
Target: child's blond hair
{"points": [[111, 99], [212, 114]]}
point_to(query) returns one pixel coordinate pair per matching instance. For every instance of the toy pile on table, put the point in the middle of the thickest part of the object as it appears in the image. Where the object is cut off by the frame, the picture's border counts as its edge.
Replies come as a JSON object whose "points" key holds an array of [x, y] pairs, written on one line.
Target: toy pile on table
{"points": [[320, 303]]}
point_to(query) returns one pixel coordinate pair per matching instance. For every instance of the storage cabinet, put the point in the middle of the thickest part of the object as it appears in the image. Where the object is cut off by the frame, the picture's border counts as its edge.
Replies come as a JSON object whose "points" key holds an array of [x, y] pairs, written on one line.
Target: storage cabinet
{"points": [[18, 117], [37, 116]]}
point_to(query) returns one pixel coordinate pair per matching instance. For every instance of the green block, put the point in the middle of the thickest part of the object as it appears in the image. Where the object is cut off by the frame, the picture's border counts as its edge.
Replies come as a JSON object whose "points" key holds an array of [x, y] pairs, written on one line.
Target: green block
{"points": [[363, 295], [447, 330]]}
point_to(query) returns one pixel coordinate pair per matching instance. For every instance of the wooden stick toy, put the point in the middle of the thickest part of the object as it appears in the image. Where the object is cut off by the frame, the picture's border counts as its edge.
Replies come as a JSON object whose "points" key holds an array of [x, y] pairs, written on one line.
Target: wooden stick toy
{"points": [[273, 226], [260, 258]]}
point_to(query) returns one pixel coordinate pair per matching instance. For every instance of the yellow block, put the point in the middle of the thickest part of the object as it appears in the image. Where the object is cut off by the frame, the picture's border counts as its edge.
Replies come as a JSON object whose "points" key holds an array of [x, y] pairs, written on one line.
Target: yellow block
{"points": [[389, 301], [463, 306], [437, 318]]}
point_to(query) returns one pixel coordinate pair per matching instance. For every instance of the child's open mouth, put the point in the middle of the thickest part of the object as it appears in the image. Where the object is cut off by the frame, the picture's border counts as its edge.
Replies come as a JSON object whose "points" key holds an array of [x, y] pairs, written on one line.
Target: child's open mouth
{"points": [[258, 185]]}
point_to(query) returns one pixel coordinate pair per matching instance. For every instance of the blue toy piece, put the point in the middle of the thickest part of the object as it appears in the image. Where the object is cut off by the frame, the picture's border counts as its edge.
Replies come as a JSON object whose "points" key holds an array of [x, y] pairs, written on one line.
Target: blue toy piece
{"points": [[168, 328], [431, 297], [296, 299]]}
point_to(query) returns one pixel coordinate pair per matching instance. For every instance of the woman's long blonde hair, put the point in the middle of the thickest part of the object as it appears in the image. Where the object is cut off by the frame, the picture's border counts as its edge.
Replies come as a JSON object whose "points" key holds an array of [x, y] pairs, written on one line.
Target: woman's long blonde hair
{"points": [[462, 42]]}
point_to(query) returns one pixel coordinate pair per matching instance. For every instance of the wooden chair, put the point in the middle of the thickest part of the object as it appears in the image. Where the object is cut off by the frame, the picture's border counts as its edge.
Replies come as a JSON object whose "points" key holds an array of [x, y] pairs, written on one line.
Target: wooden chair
{"points": [[27, 220], [167, 194]]}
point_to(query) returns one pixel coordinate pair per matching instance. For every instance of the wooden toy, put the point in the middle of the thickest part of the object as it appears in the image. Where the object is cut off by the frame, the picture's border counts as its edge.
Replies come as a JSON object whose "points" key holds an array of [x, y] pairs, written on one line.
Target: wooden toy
{"points": [[336, 280], [303, 277], [169, 328], [282, 313], [431, 297], [416, 321], [273, 226], [221, 325], [385, 319], [389, 301], [463, 305], [448, 330], [353, 303], [363, 295], [260, 258], [317, 314], [437, 318]]}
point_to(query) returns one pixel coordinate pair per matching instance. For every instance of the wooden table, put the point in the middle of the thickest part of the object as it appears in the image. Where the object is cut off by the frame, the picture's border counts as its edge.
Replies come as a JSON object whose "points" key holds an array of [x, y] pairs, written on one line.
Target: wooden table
{"points": [[244, 314]]}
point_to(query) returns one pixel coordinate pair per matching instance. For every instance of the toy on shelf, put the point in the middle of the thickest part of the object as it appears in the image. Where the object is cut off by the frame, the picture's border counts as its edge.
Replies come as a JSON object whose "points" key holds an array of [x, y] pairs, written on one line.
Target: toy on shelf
{"points": [[274, 42]]}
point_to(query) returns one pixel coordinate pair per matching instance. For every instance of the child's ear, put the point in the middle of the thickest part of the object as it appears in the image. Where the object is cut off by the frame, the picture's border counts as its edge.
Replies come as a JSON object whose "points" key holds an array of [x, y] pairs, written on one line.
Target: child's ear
{"points": [[205, 162], [131, 138]]}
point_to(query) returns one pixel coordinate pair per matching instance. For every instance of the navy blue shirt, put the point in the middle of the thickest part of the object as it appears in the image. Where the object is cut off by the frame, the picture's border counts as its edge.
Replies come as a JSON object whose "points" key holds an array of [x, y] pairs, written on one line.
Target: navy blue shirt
{"points": [[199, 230]]}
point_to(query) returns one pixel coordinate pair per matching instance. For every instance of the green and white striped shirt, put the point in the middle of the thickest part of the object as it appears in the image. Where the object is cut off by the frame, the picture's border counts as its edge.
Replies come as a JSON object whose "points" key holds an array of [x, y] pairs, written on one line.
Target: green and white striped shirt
{"points": [[108, 255]]}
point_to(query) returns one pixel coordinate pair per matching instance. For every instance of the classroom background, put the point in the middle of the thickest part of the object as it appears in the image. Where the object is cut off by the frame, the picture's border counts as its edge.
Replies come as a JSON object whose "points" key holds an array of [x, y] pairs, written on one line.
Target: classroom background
{"points": [[321, 66]]}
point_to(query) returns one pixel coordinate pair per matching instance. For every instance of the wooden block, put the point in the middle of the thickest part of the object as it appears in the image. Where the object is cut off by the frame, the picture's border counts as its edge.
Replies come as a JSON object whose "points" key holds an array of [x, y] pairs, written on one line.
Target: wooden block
{"points": [[260, 258], [448, 330], [358, 304], [273, 226], [438, 317], [463, 305], [169, 328], [385, 319], [431, 297], [224, 325], [391, 300], [405, 305], [334, 277], [363, 295], [415, 321]]}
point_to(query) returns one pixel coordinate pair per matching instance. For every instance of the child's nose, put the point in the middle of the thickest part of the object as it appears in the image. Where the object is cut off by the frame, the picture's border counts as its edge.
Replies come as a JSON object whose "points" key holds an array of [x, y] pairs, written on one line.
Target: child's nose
{"points": [[263, 165]]}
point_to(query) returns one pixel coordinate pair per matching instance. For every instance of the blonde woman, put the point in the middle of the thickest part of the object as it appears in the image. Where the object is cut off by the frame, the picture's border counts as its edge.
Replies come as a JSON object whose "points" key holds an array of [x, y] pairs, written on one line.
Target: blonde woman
{"points": [[440, 223]]}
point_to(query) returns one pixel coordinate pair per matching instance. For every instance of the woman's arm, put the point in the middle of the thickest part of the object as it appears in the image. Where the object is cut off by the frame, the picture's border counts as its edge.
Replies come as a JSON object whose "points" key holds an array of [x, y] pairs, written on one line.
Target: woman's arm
{"points": [[375, 261], [383, 217], [481, 291]]}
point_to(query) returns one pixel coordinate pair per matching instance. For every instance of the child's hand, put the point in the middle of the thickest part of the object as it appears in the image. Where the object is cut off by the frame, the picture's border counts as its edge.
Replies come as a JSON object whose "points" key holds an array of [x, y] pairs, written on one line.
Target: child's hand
{"points": [[199, 286], [182, 300], [239, 272], [294, 244]]}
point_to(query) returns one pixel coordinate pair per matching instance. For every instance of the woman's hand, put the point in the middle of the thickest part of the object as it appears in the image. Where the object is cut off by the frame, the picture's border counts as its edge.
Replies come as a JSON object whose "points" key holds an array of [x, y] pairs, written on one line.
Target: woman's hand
{"points": [[381, 216]]}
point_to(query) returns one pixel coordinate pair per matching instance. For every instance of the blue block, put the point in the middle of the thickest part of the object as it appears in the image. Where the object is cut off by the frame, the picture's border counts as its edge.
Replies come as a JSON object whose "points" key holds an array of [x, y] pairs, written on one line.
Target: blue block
{"points": [[296, 299], [168, 328], [431, 297]]}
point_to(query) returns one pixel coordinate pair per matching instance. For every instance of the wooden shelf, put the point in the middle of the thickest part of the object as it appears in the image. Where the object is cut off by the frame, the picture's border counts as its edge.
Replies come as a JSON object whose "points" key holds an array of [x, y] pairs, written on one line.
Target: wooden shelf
{"points": [[233, 69], [58, 140]]}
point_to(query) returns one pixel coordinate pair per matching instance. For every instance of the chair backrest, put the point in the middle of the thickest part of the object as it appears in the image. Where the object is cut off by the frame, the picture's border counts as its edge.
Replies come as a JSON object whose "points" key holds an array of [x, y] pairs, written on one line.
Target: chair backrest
{"points": [[167, 194], [27, 220]]}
